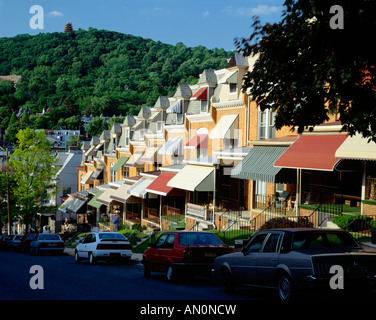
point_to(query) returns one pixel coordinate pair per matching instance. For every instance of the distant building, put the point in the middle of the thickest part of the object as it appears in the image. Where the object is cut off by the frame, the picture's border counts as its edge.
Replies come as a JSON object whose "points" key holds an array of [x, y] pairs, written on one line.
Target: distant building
{"points": [[14, 78], [68, 27], [59, 137]]}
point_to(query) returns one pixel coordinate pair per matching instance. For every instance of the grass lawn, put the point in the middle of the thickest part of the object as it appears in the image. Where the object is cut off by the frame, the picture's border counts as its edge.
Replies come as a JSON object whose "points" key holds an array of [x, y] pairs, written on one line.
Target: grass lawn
{"points": [[346, 209]]}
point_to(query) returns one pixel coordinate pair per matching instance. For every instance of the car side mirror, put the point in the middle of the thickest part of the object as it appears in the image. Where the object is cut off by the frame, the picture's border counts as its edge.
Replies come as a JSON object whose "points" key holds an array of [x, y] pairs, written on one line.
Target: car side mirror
{"points": [[81, 241], [244, 250], [151, 245]]}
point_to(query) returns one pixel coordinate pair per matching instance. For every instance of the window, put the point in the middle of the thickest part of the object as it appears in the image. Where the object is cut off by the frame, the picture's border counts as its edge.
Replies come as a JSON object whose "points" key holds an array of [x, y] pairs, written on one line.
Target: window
{"points": [[204, 106], [90, 238], [272, 242], [125, 172], [161, 240], [266, 129], [233, 87], [113, 173], [256, 243], [169, 243]]}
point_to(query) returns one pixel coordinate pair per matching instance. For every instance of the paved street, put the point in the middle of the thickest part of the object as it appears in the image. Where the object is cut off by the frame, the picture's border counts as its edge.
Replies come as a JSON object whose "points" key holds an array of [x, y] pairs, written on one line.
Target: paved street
{"points": [[63, 279]]}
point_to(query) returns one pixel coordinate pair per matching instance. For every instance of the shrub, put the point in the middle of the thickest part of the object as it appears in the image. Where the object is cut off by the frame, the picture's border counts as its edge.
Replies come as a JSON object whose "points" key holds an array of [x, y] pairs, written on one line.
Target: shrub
{"points": [[276, 223], [354, 223]]}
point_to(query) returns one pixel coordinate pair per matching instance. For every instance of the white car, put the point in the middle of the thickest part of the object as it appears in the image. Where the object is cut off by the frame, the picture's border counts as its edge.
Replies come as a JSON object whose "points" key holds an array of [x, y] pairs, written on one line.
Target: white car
{"points": [[107, 246]]}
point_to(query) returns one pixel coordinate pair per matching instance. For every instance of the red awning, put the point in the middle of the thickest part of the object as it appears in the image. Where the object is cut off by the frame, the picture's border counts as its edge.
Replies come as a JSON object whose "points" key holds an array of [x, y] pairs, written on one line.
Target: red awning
{"points": [[313, 152], [159, 186], [199, 141], [201, 94]]}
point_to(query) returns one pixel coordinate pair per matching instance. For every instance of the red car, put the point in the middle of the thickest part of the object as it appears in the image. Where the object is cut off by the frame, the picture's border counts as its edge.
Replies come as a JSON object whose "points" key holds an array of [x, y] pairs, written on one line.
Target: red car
{"points": [[183, 251], [27, 239]]}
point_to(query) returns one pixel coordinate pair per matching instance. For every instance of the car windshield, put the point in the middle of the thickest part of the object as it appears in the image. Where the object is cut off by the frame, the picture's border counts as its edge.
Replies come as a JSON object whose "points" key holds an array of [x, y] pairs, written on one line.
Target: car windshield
{"points": [[49, 237], [309, 240], [192, 238], [109, 235]]}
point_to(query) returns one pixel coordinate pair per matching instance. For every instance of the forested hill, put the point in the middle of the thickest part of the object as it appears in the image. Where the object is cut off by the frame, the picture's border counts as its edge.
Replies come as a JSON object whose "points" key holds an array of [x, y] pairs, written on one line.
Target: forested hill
{"points": [[95, 72]]}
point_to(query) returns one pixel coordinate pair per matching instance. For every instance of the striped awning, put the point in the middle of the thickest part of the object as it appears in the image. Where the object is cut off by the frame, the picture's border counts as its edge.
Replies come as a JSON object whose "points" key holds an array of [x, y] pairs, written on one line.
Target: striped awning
{"points": [[175, 107], [72, 205], [258, 164], [172, 146]]}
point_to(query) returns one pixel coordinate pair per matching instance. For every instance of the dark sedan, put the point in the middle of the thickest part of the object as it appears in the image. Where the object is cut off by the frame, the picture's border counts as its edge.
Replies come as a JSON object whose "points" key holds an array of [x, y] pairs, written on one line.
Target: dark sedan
{"points": [[293, 259], [47, 242]]}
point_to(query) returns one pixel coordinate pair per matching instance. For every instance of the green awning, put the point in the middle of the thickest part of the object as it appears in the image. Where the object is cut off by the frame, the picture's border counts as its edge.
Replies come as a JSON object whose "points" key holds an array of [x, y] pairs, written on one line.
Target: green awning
{"points": [[119, 163], [258, 164], [93, 202]]}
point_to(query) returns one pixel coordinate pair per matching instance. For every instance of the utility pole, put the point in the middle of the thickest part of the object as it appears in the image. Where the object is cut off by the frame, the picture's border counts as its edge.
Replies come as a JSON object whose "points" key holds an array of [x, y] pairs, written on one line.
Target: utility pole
{"points": [[8, 197]]}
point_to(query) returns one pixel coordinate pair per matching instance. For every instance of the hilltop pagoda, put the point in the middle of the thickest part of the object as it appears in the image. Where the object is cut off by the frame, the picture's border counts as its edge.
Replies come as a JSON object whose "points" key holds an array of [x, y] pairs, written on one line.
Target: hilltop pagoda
{"points": [[68, 27]]}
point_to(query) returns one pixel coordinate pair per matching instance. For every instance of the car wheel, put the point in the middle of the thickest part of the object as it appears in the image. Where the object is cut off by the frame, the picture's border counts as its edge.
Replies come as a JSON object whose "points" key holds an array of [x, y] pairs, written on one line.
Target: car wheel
{"points": [[285, 288], [171, 273], [76, 257], [91, 258], [228, 281]]}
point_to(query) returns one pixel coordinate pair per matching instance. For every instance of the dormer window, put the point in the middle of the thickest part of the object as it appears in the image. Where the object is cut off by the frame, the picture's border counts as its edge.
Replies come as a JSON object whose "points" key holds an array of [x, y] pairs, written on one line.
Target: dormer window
{"points": [[233, 87]]}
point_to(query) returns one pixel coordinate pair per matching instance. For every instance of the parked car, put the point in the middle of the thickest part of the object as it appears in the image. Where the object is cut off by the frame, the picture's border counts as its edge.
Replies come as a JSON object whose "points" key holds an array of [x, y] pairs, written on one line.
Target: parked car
{"points": [[188, 251], [15, 242], [26, 241], [107, 246], [5, 241], [47, 242], [295, 259]]}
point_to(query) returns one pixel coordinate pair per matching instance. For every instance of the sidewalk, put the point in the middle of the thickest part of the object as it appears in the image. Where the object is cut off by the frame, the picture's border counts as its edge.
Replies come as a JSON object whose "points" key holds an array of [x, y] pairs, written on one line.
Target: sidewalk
{"points": [[135, 256]]}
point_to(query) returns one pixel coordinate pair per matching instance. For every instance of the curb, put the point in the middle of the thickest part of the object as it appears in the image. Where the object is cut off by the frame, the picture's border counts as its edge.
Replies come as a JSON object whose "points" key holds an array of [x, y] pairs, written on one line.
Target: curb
{"points": [[135, 256]]}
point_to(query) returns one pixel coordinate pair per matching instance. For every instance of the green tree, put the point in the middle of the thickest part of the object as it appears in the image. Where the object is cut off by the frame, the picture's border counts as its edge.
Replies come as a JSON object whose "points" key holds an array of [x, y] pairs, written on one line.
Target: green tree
{"points": [[307, 69], [96, 126], [32, 167]]}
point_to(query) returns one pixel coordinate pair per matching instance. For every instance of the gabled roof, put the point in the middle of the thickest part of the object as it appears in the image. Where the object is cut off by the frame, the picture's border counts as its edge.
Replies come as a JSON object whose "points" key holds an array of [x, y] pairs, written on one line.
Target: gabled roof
{"points": [[183, 91], [162, 103], [208, 76], [237, 60]]}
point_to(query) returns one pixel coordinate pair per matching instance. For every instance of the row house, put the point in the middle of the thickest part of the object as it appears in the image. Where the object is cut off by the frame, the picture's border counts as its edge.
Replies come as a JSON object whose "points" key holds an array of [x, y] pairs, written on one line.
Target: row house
{"points": [[208, 157]]}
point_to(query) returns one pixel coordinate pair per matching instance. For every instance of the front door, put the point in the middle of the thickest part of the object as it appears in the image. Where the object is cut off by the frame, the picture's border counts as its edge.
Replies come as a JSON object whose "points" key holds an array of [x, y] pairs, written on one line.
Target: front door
{"points": [[267, 259], [244, 269]]}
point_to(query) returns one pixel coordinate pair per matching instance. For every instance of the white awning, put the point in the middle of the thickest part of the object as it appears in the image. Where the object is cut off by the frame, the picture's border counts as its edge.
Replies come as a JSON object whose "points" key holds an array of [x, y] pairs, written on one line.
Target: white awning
{"points": [[226, 127], [138, 189], [171, 146], [194, 178], [87, 176]]}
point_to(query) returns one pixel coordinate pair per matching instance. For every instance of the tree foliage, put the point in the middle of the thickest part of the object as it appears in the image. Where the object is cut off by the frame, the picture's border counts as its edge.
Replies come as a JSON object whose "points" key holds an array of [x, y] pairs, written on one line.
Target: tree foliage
{"points": [[32, 168], [95, 72], [306, 70]]}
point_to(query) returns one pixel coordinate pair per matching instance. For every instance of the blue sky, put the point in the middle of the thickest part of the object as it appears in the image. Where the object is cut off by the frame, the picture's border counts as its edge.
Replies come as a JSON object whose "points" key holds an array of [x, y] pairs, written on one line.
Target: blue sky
{"points": [[211, 23]]}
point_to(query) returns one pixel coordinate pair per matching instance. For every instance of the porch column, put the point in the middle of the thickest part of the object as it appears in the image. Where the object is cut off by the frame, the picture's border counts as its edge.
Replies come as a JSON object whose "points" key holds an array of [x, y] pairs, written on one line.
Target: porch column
{"points": [[364, 181], [298, 190]]}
